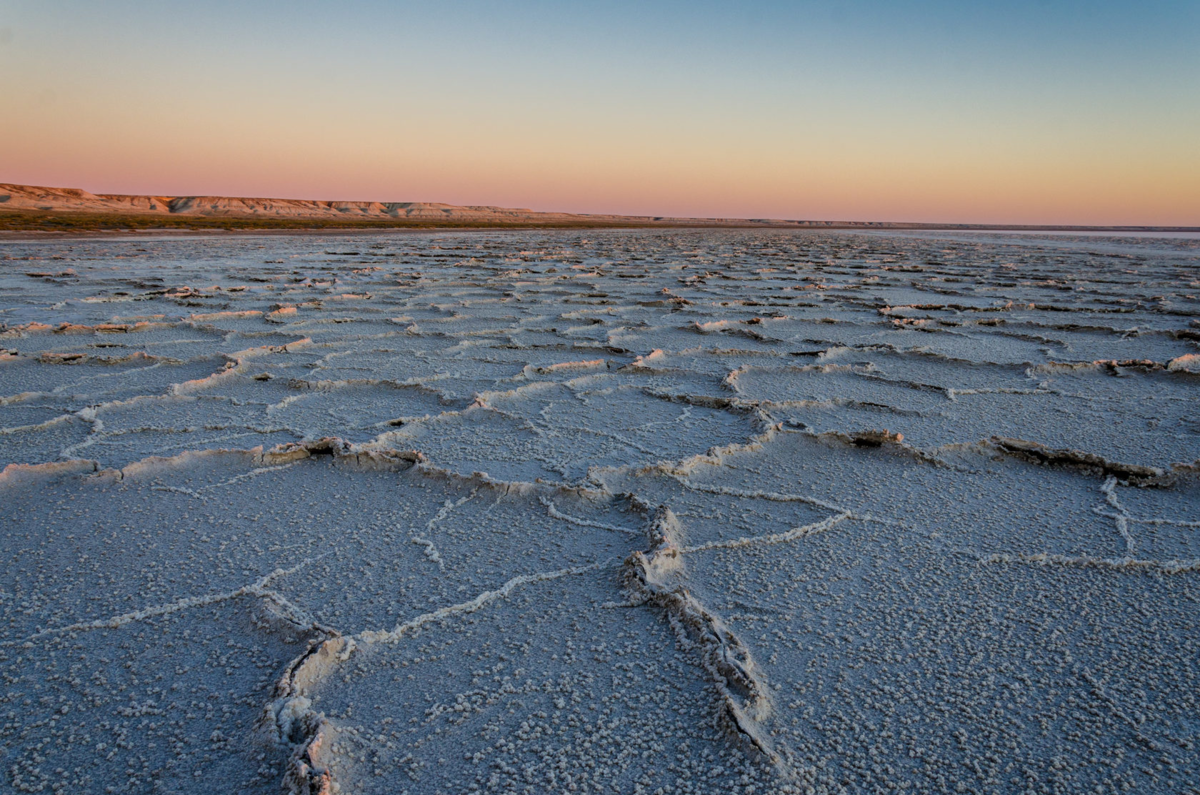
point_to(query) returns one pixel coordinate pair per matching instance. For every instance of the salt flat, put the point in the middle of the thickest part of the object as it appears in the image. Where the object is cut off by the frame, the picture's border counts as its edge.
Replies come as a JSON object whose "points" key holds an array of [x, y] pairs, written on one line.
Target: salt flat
{"points": [[654, 511]]}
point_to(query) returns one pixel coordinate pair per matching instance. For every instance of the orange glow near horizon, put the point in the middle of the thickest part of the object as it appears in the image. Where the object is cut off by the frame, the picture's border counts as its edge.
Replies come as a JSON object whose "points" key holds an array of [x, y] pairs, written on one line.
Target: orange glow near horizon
{"points": [[885, 186]]}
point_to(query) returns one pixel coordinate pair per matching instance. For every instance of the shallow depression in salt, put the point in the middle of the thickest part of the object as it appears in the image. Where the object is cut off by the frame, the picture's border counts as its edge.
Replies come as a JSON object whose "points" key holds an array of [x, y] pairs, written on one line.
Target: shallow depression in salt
{"points": [[652, 511]]}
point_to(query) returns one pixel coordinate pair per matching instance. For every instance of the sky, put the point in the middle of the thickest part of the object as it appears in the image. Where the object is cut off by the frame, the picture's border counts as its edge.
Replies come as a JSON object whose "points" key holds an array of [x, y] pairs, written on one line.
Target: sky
{"points": [[1028, 111]]}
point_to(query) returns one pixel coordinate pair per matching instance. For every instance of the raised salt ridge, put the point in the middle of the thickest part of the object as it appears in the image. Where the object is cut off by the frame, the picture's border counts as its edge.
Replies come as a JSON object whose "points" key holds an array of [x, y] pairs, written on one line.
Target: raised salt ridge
{"points": [[655, 511]]}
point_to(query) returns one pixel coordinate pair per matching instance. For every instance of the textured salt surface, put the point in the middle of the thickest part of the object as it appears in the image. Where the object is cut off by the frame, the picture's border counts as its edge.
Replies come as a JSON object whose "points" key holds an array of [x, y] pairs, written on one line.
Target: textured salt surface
{"points": [[690, 512]]}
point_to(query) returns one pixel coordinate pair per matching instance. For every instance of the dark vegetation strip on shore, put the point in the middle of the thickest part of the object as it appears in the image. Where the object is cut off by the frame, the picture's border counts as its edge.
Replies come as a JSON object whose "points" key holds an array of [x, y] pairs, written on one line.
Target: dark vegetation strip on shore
{"points": [[68, 222]]}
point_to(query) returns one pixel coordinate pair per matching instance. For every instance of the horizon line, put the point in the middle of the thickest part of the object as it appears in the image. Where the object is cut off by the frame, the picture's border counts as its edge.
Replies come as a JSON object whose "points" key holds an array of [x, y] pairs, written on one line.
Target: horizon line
{"points": [[182, 206]]}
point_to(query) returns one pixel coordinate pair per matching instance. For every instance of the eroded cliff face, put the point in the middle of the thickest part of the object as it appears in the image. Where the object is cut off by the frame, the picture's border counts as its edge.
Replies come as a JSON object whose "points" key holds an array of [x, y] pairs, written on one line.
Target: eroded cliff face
{"points": [[707, 512], [32, 197]]}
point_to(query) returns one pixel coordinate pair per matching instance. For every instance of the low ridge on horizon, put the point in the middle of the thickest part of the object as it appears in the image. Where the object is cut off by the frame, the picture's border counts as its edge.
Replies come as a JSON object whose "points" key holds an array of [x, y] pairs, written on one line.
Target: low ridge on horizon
{"points": [[35, 201]]}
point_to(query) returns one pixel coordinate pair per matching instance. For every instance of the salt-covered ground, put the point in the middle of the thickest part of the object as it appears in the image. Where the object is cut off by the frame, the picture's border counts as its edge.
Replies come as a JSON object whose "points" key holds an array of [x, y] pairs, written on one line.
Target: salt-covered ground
{"points": [[644, 512]]}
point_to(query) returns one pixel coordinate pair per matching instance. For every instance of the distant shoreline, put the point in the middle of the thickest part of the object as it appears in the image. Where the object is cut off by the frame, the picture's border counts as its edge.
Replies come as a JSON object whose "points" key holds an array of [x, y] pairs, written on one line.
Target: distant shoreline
{"points": [[45, 223], [26, 209], [49, 226]]}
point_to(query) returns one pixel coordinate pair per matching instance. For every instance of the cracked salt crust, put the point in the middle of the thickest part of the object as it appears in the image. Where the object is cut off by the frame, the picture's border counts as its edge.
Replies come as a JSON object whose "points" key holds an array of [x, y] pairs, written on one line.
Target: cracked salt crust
{"points": [[735, 512]]}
